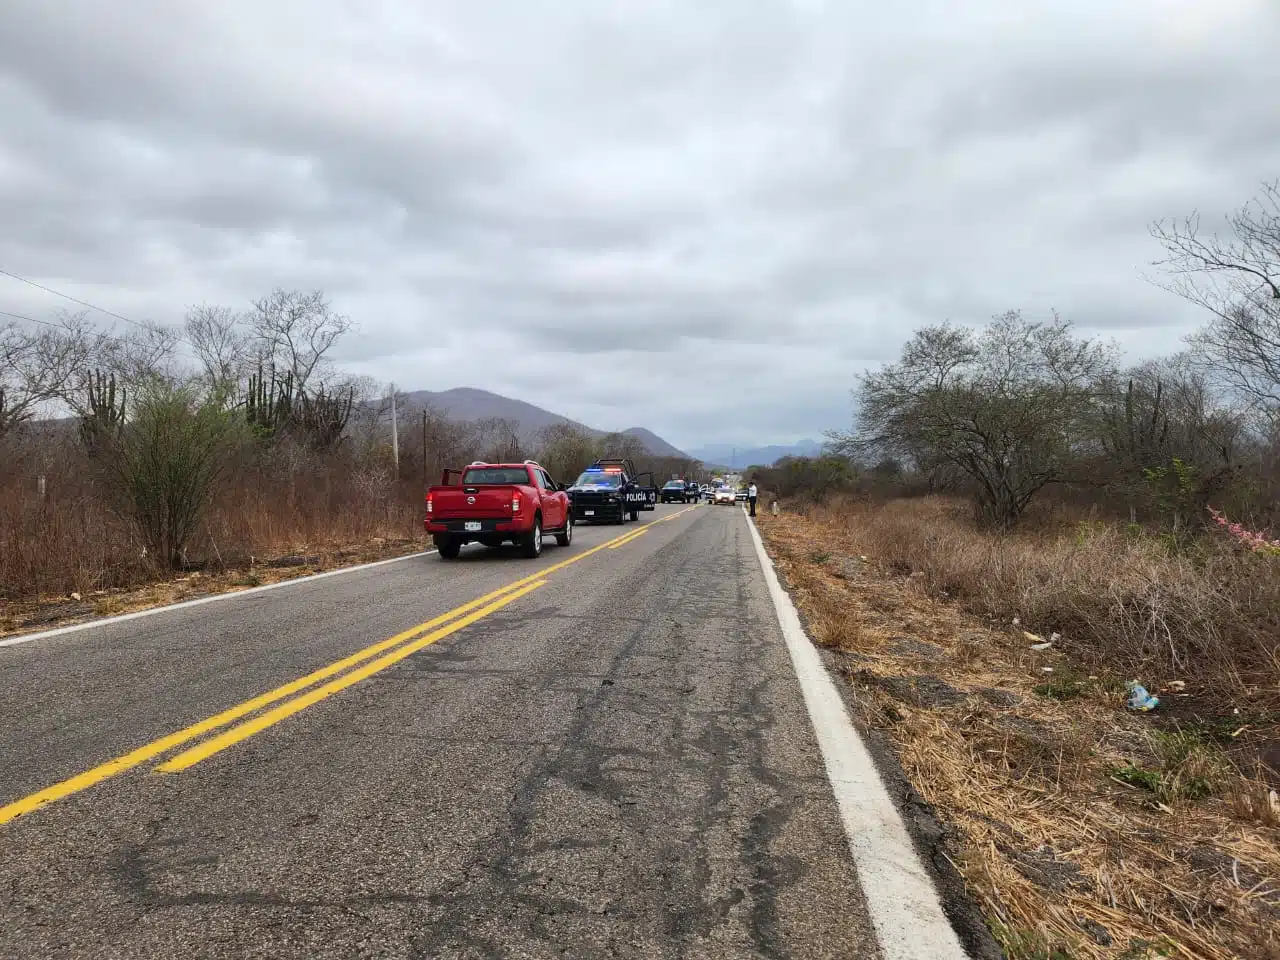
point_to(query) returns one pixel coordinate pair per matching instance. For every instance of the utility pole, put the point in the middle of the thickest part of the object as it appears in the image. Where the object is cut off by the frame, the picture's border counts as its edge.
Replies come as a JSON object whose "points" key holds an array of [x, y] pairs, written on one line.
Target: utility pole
{"points": [[424, 448], [395, 432]]}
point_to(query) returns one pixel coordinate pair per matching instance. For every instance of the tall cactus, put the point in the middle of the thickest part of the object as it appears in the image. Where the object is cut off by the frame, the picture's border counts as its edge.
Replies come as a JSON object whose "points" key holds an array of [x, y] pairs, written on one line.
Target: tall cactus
{"points": [[103, 419], [323, 416], [269, 402]]}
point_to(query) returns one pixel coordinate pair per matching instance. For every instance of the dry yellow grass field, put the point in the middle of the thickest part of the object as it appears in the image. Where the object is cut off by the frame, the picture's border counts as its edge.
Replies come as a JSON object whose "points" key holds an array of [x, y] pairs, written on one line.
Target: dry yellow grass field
{"points": [[1083, 829]]}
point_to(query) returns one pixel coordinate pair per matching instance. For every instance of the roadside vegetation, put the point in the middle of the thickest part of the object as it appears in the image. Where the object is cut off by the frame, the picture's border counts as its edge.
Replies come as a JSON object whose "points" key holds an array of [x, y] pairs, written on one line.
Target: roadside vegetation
{"points": [[168, 462], [1017, 528]]}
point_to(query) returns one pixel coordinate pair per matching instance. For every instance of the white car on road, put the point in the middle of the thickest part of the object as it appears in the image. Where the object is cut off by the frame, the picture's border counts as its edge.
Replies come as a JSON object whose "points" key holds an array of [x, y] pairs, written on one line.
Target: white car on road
{"points": [[723, 495]]}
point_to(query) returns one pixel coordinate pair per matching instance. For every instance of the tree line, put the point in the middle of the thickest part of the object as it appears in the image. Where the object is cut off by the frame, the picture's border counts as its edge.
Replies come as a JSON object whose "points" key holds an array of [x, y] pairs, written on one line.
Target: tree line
{"points": [[1022, 405], [235, 434]]}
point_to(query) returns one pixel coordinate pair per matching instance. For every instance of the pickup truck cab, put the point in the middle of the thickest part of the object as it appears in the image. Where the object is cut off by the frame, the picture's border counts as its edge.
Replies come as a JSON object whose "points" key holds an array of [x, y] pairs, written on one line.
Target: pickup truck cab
{"points": [[493, 503]]}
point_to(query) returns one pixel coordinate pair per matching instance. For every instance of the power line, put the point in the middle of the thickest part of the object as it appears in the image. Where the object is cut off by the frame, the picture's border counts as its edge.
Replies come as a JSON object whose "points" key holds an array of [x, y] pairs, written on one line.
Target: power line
{"points": [[59, 326], [92, 306], [18, 316], [67, 296]]}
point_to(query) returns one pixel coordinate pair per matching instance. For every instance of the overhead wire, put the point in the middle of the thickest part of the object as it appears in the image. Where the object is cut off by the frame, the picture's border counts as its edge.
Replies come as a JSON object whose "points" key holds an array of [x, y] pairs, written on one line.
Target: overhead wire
{"points": [[178, 339]]}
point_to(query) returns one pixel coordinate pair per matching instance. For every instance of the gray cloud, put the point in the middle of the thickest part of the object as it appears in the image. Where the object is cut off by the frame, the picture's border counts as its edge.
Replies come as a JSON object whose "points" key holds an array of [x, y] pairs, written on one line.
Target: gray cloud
{"points": [[704, 219]]}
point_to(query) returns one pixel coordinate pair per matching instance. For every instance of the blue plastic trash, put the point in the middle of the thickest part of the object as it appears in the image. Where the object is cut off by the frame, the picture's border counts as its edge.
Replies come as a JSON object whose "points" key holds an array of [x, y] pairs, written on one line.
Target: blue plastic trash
{"points": [[1139, 698]]}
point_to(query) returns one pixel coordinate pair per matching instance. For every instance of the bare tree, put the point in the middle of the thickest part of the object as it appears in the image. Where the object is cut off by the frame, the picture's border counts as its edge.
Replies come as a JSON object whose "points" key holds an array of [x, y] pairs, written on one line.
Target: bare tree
{"points": [[621, 445], [497, 440], [1237, 278], [221, 345], [146, 354], [445, 443], [39, 364], [1005, 407], [565, 450], [293, 331], [1168, 414]]}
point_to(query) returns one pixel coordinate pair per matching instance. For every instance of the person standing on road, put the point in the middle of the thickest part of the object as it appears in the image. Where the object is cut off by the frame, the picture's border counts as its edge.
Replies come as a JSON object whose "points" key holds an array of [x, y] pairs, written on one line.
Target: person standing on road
{"points": [[751, 497]]}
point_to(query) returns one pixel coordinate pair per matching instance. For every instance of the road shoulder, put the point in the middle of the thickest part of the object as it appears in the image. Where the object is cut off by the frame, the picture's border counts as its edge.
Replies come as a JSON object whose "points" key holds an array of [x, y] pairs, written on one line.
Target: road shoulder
{"points": [[916, 896]]}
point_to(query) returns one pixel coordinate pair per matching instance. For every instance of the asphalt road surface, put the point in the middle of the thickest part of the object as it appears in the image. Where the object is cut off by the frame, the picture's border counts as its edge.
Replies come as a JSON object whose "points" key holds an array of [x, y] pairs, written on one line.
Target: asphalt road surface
{"points": [[611, 759]]}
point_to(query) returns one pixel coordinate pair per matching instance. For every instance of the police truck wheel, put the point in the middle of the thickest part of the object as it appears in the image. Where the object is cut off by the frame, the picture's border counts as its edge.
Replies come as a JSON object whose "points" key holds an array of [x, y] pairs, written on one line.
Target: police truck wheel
{"points": [[565, 537], [635, 515], [531, 542]]}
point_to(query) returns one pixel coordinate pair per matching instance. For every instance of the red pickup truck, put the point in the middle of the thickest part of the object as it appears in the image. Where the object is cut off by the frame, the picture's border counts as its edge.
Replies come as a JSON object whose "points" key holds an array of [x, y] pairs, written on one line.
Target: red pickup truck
{"points": [[496, 502]]}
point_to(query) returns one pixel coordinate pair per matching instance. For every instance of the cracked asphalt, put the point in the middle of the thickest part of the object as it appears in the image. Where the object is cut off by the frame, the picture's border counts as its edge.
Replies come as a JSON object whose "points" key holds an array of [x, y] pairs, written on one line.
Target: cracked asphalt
{"points": [[617, 764]]}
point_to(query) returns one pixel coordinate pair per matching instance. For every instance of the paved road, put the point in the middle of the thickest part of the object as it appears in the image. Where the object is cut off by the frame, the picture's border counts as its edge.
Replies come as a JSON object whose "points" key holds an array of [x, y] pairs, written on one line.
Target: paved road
{"points": [[617, 762]]}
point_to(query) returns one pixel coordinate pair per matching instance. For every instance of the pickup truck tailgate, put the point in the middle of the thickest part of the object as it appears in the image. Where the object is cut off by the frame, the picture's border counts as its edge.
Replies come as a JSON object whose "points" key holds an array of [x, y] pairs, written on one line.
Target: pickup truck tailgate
{"points": [[454, 502]]}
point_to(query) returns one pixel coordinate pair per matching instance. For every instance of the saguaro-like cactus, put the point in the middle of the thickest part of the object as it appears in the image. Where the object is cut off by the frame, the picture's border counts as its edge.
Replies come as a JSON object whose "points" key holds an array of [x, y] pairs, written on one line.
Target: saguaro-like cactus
{"points": [[269, 402], [104, 417], [323, 416]]}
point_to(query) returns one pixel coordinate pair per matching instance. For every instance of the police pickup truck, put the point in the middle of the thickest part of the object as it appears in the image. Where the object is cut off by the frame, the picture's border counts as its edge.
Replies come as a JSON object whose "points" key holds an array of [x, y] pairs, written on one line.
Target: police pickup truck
{"points": [[675, 491], [610, 491]]}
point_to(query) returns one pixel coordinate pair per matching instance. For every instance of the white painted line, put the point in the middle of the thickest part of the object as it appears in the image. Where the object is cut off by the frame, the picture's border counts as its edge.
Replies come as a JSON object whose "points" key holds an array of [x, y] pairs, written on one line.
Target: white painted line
{"points": [[151, 611], [900, 895]]}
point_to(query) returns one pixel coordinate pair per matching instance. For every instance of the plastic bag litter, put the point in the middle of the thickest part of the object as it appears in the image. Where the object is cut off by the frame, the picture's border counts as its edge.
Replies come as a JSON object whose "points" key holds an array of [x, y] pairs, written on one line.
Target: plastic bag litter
{"points": [[1039, 643], [1139, 698]]}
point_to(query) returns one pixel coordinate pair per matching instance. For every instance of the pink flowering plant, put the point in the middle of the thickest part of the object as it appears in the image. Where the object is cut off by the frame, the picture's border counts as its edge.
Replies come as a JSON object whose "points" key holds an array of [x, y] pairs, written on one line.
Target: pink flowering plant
{"points": [[1250, 539]]}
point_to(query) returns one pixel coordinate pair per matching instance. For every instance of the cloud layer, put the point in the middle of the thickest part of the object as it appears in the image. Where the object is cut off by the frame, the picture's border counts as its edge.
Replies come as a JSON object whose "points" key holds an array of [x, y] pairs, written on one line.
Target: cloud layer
{"points": [[701, 218]]}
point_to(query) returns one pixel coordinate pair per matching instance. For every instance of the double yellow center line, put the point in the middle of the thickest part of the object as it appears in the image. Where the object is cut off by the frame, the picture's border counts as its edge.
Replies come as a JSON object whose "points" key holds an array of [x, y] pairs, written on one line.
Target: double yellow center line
{"points": [[379, 656]]}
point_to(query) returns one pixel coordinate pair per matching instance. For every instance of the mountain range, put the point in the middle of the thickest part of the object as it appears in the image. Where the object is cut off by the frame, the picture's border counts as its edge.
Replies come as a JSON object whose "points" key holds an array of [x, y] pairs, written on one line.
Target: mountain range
{"points": [[727, 455], [469, 403]]}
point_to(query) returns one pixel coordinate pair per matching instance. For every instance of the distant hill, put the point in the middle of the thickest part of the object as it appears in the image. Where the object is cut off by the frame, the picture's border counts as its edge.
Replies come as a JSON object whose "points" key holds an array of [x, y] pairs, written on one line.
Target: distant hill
{"points": [[654, 443], [469, 403], [724, 454]]}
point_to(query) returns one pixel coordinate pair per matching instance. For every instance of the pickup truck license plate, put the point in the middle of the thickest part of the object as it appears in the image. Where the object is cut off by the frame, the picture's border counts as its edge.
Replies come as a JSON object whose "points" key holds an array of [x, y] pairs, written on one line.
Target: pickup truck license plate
{"points": [[471, 526], [589, 513]]}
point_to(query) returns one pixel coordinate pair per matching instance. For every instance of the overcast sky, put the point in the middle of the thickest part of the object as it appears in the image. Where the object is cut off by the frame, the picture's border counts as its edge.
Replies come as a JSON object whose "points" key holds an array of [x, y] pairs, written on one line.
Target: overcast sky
{"points": [[700, 217]]}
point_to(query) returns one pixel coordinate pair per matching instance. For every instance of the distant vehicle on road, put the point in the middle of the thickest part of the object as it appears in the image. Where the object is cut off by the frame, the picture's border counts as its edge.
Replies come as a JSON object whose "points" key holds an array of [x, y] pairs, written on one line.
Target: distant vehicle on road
{"points": [[674, 491], [741, 494], [692, 492], [723, 495], [610, 490], [493, 503]]}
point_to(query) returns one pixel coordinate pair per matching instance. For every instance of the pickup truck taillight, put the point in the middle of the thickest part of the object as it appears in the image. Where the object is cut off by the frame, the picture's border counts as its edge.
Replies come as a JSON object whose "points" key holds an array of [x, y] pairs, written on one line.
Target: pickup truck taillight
{"points": [[515, 502], [428, 503]]}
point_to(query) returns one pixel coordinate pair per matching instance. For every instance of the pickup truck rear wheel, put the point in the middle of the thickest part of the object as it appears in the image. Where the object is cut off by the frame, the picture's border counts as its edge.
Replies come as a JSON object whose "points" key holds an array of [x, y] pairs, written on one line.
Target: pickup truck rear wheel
{"points": [[448, 549], [565, 536], [531, 542]]}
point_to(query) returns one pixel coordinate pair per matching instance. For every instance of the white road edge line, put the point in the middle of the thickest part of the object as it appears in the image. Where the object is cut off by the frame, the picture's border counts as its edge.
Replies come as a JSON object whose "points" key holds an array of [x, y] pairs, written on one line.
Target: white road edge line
{"points": [[151, 611], [901, 898]]}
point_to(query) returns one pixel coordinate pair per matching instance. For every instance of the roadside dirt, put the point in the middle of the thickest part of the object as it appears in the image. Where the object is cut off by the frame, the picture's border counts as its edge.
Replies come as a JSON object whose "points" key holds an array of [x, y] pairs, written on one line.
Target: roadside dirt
{"points": [[46, 613], [1081, 829]]}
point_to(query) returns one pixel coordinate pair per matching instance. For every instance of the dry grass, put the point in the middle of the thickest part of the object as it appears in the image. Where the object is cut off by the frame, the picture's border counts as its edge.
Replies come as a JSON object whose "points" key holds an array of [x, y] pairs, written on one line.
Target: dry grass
{"points": [[1117, 598], [70, 542], [1079, 827], [268, 522]]}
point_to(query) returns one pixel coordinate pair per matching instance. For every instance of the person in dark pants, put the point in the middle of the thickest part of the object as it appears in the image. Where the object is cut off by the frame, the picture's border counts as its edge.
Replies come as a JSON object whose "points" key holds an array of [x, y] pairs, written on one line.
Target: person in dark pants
{"points": [[751, 497]]}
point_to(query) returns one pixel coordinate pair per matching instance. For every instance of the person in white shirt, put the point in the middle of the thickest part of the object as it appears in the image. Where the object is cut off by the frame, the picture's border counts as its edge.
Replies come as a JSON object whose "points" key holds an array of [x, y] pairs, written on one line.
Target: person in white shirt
{"points": [[751, 497]]}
